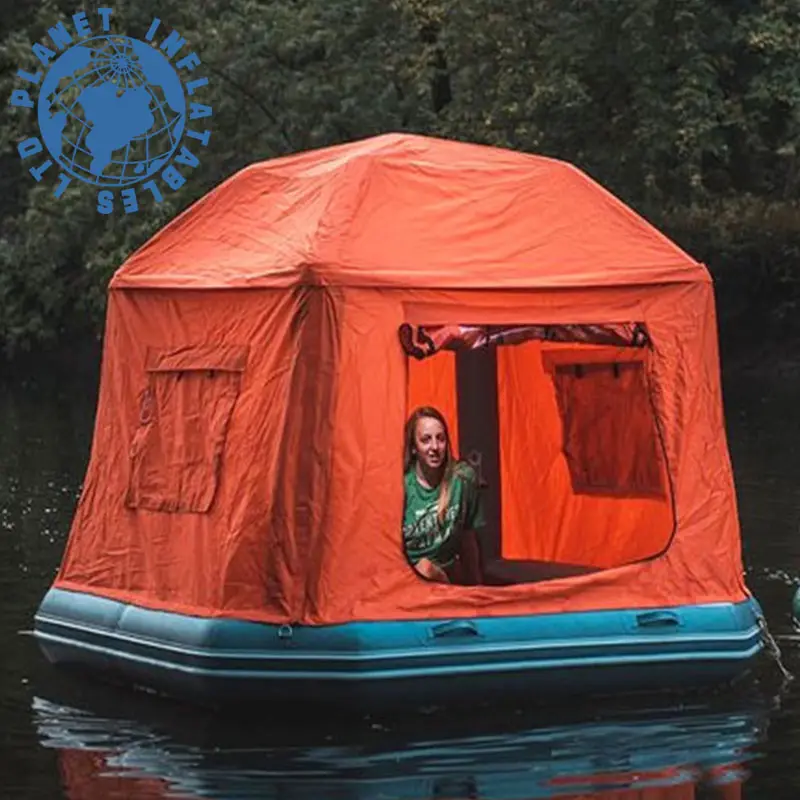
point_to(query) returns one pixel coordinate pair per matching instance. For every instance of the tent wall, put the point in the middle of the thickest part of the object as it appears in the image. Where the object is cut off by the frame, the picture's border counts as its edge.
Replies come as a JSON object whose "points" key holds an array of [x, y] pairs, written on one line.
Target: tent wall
{"points": [[545, 516], [240, 555], [366, 574], [432, 382], [305, 524]]}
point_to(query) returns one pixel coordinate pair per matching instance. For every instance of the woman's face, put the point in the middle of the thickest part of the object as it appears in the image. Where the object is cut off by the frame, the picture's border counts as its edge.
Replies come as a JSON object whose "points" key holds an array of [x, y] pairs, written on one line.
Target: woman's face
{"points": [[430, 441]]}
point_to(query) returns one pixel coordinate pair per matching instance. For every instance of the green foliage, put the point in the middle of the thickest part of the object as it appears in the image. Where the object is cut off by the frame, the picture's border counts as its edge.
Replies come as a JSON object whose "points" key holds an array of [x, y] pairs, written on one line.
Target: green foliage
{"points": [[688, 109], [282, 77]]}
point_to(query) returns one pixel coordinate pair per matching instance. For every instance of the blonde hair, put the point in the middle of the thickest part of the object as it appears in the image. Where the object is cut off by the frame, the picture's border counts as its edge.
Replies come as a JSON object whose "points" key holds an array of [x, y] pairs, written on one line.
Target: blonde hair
{"points": [[410, 453]]}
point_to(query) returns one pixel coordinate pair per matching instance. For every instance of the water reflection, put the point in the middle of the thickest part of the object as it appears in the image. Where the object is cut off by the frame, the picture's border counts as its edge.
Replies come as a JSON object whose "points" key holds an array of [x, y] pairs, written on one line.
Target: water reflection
{"points": [[677, 755]]}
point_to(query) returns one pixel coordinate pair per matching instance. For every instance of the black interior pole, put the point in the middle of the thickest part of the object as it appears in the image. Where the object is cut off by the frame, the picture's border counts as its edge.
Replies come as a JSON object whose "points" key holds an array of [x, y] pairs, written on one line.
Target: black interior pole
{"points": [[479, 435]]}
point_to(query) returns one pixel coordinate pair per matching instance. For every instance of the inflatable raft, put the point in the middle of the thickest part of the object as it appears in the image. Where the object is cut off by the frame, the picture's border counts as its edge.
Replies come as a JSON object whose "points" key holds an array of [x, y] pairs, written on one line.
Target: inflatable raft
{"points": [[239, 531], [218, 660]]}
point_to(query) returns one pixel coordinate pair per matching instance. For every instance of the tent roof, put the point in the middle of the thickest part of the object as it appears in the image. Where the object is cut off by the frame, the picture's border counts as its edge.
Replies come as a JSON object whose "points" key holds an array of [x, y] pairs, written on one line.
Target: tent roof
{"points": [[408, 211]]}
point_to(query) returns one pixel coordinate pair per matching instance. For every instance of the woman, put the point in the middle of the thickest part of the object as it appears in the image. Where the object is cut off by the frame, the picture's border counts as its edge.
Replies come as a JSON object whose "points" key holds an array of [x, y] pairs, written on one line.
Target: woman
{"points": [[441, 497]]}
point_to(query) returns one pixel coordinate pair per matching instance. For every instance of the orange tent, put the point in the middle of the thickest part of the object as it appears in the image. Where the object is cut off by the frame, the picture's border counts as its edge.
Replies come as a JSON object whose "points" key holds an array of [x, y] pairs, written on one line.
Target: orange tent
{"points": [[247, 454]]}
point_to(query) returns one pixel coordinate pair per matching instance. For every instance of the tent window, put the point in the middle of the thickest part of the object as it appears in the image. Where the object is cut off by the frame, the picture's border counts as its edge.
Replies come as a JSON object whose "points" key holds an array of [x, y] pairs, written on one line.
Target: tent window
{"points": [[561, 428], [185, 409], [610, 440]]}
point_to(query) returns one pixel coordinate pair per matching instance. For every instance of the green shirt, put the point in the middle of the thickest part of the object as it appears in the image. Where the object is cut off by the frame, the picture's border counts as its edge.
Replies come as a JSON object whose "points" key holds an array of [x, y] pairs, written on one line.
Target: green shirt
{"points": [[423, 535]]}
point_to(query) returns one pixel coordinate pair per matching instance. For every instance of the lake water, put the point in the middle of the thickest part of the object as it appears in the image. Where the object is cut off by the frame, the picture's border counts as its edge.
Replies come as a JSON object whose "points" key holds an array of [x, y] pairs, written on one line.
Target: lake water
{"points": [[61, 737]]}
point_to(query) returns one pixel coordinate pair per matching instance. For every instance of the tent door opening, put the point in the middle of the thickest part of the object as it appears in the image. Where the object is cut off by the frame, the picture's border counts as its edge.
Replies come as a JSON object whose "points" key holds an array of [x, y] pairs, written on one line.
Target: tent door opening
{"points": [[564, 439]]}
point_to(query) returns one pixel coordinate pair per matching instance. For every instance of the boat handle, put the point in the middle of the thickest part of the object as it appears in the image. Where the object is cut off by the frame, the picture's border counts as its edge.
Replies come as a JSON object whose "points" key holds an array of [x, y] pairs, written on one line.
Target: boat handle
{"points": [[455, 628], [658, 619]]}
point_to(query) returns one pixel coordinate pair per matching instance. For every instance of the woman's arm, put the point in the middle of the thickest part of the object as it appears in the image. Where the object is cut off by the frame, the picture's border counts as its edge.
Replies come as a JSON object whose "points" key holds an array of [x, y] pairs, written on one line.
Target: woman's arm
{"points": [[431, 571]]}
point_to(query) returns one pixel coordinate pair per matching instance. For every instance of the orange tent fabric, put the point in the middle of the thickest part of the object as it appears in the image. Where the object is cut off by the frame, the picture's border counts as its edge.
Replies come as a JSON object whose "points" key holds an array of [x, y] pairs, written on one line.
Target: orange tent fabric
{"points": [[433, 383], [247, 453]]}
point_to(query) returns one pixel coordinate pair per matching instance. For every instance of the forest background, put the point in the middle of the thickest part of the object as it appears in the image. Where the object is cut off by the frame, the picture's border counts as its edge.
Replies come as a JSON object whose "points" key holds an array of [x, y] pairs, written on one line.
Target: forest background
{"points": [[688, 110]]}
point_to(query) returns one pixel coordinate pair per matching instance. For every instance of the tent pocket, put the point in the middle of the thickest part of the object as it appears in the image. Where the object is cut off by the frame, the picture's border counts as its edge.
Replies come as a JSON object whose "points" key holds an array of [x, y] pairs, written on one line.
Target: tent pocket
{"points": [[185, 409], [610, 438]]}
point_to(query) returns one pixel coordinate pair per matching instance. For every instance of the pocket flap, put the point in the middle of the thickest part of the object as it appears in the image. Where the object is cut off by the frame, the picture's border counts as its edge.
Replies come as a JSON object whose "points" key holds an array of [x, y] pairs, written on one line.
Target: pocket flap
{"points": [[224, 358]]}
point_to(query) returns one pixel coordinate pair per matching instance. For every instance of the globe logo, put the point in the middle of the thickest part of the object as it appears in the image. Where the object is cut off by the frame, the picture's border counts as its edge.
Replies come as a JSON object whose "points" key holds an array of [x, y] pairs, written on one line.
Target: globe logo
{"points": [[113, 111]]}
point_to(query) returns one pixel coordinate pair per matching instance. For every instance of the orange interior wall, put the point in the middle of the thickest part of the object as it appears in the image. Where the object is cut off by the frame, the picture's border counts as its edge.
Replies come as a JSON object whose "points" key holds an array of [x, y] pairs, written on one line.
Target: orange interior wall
{"points": [[542, 517], [432, 382]]}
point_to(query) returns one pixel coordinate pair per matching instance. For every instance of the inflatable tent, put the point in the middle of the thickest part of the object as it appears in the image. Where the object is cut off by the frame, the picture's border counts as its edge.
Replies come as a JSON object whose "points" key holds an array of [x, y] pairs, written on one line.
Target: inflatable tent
{"points": [[240, 523]]}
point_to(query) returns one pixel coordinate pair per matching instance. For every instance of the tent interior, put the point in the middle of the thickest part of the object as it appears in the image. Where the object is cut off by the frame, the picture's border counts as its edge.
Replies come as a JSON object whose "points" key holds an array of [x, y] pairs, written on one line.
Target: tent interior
{"points": [[561, 426]]}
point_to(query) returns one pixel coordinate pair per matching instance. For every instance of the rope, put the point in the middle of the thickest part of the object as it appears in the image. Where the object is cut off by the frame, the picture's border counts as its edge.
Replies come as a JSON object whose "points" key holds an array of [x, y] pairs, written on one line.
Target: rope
{"points": [[772, 648]]}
